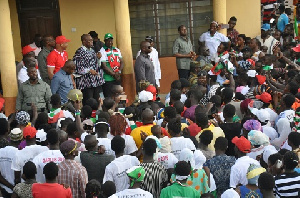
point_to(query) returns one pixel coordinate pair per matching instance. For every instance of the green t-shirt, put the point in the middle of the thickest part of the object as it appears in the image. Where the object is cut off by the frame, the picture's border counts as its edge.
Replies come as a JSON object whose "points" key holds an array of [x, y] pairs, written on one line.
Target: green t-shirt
{"points": [[178, 190], [111, 56]]}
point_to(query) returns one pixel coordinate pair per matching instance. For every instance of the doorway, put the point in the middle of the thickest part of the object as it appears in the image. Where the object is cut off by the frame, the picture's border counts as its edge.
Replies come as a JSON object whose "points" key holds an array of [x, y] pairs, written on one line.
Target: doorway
{"points": [[38, 17]]}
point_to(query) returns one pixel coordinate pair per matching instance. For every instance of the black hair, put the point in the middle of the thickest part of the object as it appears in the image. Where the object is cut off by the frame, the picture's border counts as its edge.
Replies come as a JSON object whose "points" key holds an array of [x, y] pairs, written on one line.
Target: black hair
{"points": [[291, 74], [293, 87], [4, 126], [202, 73], [294, 138], [221, 144], [227, 94], [179, 106], [108, 103], [29, 170], [55, 99], [243, 36], [66, 122], [103, 114], [179, 27], [282, 151], [174, 125], [175, 94], [200, 109], [290, 160], [150, 146], [281, 8], [71, 129], [86, 111], [42, 122], [184, 83], [266, 181], [206, 137], [170, 112], [233, 18], [225, 44], [176, 84], [93, 34], [289, 100], [92, 102], [197, 94], [52, 136], [101, 128], [229, 111], [108, 188], [27, 60], [50, 171], [118, 144], [216, 99], [201, 119], [93, 188], [274, 157], [182, 168], [131, 110], [207, 195]]}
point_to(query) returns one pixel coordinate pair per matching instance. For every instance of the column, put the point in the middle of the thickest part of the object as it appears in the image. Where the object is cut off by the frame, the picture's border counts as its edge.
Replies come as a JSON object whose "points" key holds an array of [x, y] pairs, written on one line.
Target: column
{"points": [[219, 12], [124, 44], [7, 59]]}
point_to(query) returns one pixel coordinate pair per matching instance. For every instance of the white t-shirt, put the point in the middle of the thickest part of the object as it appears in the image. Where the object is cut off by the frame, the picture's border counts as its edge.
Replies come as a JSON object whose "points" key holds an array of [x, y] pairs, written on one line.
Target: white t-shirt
{"points": [[179, 143], [238, 174], [130, 146], [44, 158], [213, 42], [107, 144], [25, 155], [136, 193], [273, 116], [22, 75], [168, 160], [6, 157], [116, 171]]}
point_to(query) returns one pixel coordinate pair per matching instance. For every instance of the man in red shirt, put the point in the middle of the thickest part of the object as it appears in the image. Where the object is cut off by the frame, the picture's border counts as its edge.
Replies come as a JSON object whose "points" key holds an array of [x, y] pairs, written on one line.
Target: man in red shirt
{"points": [[57, 58], [51, 188]]}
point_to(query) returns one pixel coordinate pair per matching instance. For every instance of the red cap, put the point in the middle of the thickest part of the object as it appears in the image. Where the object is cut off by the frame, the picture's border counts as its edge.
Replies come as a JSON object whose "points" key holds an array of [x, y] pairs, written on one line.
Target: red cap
{"points": [[27, 49], [152, 89], [261, 79], [29, 132], [297, 48], [1, 103], [61, 40], [265, 97], [242, 144]]}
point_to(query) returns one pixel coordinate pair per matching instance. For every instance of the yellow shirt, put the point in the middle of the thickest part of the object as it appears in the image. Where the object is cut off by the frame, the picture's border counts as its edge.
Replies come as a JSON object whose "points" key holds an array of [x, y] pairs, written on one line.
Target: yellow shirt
{"points": [[217, 132], [136, 133]]}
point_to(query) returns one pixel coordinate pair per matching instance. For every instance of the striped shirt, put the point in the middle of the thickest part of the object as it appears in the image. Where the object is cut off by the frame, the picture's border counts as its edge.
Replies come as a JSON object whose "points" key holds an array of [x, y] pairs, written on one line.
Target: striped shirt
{"points": [[287, 185], [155, 176], [73, 174]]}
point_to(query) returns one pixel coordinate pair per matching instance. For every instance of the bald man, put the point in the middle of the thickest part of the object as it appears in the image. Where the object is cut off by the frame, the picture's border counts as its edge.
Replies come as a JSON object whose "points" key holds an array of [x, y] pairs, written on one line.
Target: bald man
{"points": [[143, 68], [62, 81]]}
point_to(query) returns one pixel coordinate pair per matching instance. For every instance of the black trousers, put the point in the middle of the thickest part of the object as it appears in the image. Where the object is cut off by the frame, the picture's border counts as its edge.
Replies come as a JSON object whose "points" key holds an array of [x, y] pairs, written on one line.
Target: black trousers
{"points": [[184, 73], [93, 92], [107, 88]]}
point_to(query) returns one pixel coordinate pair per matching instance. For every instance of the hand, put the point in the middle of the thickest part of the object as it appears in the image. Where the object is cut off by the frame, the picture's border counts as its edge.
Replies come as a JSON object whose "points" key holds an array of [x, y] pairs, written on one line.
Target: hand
{"points": [[143, 136], [34, 108], [99, 55], [117, 76], [77, 105], [117, 99], [93, 72], [209, 105]]}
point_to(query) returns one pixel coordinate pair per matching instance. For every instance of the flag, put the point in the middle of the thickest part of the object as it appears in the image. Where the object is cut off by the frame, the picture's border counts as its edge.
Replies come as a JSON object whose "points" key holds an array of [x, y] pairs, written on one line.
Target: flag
{"points": [[296, 26]]}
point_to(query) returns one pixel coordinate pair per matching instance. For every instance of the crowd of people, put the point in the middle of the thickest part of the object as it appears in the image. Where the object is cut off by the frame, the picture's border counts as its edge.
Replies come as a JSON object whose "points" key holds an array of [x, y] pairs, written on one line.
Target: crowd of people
{"points": [[229, 127]]}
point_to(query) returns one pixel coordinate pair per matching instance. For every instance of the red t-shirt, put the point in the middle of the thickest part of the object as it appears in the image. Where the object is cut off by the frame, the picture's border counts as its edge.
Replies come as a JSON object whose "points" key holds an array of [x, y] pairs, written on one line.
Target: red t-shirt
{"points": [[50, 190], [57, 59]]}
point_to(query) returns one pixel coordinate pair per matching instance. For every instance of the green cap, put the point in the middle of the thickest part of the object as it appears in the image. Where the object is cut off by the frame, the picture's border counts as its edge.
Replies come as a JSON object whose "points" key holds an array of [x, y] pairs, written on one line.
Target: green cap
{"points": [[108, 35], [136, 174]]}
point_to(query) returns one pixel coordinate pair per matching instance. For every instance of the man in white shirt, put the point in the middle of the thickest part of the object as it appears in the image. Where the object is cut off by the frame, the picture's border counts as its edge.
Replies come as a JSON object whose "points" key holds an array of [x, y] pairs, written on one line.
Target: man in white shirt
{"points": [[155, 60], [7, 154], [116, 170], [266, 39], [51, 155], [238, 174], [28, 153], [28, 62]]}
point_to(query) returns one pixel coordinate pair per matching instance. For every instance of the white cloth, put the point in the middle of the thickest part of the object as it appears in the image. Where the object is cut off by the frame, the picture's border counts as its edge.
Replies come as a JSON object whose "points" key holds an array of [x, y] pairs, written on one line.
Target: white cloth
{"points": [[116, 171], [37, 50], [273, 116], [136, 193], [230, 193], [130, 146], [25, 155], [270, 132], [269, 42], [284, 129], [238, 174], [168, 160], [179, 143], [182, 99], [155, 60], [107, 144], [44, 158], [256, 151], [22, 75], [213, 42], [6, 157], [269, 150]]}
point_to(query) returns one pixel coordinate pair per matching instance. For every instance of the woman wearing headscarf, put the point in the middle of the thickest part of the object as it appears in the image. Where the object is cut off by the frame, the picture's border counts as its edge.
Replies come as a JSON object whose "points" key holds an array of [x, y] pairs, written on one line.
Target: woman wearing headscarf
{"points": [[250, 125], [283, 129], [258, 142]]}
